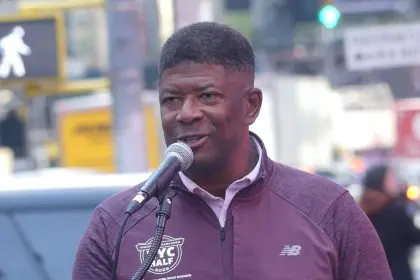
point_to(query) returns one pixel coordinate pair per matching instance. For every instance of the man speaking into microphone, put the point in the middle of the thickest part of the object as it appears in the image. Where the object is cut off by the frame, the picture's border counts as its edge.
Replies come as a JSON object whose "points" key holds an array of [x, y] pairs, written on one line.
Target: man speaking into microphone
{"points": [[236, 214]]}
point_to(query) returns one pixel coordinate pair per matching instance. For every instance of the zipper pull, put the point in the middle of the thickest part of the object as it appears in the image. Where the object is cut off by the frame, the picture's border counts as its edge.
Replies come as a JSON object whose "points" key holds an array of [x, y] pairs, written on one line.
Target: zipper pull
{"points": [[222, 234]]}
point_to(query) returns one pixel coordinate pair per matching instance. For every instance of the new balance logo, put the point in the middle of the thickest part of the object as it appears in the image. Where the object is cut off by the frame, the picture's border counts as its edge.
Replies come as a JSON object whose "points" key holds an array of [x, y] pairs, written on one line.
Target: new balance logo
{"points": [[291, 250]]}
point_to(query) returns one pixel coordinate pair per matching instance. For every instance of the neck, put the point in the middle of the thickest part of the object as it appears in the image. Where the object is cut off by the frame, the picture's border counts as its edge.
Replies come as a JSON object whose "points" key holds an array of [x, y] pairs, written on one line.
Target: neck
{"points": [[238, 165]]}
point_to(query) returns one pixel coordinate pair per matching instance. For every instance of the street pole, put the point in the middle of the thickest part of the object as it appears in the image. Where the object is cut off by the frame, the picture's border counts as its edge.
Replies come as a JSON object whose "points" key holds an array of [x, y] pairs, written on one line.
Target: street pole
{"points": [[125, 74]]}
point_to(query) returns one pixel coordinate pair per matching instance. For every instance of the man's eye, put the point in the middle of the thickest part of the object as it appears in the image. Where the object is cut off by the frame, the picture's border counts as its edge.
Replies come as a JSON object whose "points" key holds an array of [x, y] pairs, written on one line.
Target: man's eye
{"points": [[208, 96], [170, 100]]}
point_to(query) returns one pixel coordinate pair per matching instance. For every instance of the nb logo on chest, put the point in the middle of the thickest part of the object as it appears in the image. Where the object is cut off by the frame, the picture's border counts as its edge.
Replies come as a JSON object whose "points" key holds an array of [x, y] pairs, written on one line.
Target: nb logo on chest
{"points": [[291, 250]]}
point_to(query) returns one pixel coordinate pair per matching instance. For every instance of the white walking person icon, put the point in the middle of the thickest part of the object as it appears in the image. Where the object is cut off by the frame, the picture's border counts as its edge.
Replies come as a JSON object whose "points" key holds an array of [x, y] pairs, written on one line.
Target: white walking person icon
{"points": [[12, 48]]}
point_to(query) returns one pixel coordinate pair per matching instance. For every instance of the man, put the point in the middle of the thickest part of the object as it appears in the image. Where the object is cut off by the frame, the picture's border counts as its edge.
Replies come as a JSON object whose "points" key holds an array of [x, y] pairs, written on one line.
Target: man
{"points": [[236, 213]]}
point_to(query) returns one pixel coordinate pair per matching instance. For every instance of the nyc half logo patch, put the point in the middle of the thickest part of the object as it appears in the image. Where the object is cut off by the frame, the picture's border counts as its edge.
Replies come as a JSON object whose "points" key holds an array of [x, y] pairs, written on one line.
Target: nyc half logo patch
{"points": [[168, 257]]}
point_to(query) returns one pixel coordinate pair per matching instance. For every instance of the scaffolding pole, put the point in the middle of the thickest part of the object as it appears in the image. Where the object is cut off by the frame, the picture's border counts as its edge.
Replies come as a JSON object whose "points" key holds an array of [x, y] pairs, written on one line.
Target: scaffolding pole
{"points": [[126, 85]]}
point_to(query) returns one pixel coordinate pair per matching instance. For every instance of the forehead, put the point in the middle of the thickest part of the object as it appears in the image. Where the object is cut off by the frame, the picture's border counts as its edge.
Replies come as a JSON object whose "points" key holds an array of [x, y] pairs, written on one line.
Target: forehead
{"points": [[188, 75]]}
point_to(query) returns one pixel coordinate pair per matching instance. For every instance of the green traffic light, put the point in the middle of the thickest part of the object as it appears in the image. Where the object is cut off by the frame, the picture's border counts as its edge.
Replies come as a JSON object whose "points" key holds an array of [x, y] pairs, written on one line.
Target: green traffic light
{"points": [[329, 16]]}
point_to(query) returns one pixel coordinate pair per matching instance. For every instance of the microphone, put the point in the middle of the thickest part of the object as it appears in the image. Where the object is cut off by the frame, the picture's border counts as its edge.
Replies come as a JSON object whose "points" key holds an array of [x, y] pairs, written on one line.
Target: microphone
{"points": [[178, 157]]}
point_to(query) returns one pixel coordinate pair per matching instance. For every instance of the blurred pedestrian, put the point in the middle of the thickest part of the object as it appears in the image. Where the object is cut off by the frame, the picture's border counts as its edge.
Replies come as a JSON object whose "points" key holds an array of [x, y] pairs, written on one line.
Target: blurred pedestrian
{"points": [[386, 208]]}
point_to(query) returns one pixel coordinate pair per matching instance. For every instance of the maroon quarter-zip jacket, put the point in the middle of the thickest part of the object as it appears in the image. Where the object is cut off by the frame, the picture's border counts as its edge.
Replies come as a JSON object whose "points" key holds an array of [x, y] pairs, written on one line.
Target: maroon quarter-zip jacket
{"points": [[288, 225]]}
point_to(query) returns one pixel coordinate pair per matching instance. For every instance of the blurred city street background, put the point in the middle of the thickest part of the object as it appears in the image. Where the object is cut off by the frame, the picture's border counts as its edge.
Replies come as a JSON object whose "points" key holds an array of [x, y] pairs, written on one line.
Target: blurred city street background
{"points": [[80, 120]]}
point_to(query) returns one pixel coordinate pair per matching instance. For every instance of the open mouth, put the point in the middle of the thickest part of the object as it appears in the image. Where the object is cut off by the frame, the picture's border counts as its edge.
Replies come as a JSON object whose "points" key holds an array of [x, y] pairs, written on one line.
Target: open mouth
{"points": [[194, 141]]}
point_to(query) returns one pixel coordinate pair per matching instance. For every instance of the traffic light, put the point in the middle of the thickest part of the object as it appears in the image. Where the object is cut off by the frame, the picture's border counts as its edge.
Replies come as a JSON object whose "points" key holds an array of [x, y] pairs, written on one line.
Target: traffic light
{"points": [[329, 15], [304, 11]]}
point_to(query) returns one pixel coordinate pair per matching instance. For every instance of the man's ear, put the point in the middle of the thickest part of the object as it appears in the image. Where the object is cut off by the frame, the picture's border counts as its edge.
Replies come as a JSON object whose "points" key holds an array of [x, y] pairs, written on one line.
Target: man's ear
{"points": [[253, 105]]}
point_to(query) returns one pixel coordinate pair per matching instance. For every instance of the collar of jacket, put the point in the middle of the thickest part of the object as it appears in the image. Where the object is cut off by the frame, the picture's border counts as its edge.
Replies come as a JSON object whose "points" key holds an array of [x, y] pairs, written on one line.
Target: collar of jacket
{"points": [[255, 188]]}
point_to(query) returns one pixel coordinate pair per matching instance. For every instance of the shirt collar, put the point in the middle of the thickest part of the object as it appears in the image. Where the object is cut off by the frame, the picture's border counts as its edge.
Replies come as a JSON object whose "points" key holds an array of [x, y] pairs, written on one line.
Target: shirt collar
{"points": [[243, 182]]}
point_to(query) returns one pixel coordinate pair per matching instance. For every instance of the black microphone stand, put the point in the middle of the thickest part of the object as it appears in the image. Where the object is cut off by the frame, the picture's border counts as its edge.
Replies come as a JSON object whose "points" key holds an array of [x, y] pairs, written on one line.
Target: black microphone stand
{"points": [[163, 214]]}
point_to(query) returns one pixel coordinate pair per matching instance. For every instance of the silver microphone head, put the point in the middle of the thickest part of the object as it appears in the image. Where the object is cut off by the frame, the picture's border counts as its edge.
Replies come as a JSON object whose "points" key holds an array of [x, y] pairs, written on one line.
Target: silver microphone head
{"points": [[181, 151]]}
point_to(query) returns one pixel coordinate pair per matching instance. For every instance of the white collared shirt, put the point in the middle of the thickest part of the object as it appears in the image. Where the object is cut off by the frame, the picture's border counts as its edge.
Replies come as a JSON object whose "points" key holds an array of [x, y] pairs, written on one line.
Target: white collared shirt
{"points": [[220, 205]]}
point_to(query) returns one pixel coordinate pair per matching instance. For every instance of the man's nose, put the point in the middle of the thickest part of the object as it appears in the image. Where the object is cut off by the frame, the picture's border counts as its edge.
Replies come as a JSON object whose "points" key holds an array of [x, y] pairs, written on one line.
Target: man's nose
{"points": [[190, 111]]}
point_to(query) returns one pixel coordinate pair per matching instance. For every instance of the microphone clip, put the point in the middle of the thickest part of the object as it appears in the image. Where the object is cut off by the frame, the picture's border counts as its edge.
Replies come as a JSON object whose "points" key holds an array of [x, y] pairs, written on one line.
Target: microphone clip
{"points": [[137, 203]]}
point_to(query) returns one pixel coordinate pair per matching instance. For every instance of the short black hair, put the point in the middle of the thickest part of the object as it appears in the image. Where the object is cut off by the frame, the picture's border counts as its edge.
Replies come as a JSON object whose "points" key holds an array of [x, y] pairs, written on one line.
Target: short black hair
{"points": [[208, 43]]}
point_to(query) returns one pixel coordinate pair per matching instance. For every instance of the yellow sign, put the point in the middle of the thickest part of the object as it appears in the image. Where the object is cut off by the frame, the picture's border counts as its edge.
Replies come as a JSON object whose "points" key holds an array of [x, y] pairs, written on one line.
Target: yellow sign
{"points": [[86, 139]]}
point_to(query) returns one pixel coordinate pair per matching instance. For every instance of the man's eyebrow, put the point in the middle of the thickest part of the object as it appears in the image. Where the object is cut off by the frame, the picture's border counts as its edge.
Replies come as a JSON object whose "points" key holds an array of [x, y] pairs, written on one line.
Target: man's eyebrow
{"points": [[167, 90], [204, 87], [196, 88]]}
